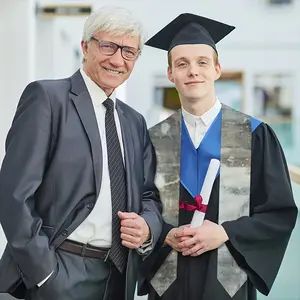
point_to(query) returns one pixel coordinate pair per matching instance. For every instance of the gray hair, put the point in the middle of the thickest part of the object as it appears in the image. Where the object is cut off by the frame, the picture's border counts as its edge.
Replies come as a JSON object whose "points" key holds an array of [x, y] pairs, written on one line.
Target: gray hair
{"points": [[115, 20]]}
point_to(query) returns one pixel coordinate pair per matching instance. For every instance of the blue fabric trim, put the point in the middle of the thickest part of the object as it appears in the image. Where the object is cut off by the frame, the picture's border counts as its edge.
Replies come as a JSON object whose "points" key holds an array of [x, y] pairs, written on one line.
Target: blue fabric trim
{"points": [[194, 162]]}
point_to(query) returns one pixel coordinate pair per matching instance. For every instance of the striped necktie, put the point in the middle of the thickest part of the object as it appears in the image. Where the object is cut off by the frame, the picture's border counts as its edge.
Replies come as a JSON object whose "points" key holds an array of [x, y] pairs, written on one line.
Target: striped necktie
{"points": [[118, 252]]}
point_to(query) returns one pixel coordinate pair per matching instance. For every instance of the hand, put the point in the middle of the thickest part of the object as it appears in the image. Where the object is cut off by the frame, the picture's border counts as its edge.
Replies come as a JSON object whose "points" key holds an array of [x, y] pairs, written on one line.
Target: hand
{"points": [[134, 230], [204, 238], [173, 240]]}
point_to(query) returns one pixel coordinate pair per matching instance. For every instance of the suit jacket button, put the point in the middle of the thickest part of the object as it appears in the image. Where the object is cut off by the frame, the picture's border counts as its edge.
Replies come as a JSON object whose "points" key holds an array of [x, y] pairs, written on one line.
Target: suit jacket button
{"points": [[90, 205], [65, 232]]}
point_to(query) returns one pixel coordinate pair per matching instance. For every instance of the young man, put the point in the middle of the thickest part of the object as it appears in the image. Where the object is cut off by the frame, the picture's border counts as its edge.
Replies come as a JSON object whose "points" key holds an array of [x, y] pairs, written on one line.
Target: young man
{"points": [[251, 212], [76, 212]]}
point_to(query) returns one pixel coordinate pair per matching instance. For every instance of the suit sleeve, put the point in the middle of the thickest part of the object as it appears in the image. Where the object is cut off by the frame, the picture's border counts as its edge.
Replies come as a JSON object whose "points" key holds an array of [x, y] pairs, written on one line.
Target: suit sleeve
{"points": [[23, 167], [151, 203], [258, 242]]}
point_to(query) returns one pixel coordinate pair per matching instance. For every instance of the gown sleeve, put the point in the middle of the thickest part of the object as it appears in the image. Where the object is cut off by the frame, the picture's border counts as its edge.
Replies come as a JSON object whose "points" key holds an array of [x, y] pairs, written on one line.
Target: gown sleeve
{"points": [[258, 242], [152, 263]]}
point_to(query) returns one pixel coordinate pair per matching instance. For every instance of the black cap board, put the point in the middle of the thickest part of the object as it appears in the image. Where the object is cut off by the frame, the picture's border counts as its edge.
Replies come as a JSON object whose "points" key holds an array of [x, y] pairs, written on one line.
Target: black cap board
{"points": [[190, 29]]}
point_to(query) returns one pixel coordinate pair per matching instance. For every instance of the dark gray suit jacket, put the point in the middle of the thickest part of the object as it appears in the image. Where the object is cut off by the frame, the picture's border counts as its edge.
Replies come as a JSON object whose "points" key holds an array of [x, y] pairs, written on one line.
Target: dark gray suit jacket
{"points": [[51, 175]]}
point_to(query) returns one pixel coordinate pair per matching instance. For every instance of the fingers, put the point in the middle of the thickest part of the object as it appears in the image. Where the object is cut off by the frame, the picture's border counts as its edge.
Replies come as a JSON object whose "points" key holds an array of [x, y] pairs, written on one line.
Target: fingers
{"points": [[184, 238], [136, 232], [186, 231], [131, 239], [184, 250], [129, 245], [130, 223], [199, 252], [175, 246], [188, 243], [131, 231], [194, 250]]}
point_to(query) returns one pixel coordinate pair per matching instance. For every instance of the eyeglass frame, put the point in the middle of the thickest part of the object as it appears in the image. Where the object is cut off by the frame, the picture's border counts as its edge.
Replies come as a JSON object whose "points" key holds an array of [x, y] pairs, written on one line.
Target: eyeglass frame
{"points": [[117, 48]]}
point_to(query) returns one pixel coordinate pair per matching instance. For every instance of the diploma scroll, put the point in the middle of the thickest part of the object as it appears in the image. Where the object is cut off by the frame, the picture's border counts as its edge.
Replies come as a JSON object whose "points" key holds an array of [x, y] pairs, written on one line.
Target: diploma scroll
{"points": [[210, 177]]}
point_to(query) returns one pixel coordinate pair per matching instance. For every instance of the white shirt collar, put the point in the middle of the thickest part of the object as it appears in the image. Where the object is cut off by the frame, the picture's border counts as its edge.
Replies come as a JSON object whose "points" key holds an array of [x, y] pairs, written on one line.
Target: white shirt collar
{"points": [[98, 96], [207, 118]]}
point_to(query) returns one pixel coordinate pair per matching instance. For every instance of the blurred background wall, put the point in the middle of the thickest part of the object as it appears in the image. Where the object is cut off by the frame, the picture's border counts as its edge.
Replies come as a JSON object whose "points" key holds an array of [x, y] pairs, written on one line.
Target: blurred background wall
{"points": [[260, 61]]}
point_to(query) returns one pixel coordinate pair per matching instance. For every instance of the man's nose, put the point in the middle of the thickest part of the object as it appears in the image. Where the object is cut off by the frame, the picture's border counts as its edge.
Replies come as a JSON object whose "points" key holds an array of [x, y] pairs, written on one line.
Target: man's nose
{"points": [[117, 60], [193, 71]]}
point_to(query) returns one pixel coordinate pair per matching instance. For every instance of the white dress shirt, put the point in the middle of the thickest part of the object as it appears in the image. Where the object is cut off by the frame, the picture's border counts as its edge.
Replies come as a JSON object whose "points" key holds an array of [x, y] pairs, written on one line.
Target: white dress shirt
{"points": [[198, 125], [96, 228]]}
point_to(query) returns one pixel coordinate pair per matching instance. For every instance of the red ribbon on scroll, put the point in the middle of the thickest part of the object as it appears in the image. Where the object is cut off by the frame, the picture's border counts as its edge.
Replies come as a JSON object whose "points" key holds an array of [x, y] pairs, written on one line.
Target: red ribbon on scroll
{"points": [[190, 207]]}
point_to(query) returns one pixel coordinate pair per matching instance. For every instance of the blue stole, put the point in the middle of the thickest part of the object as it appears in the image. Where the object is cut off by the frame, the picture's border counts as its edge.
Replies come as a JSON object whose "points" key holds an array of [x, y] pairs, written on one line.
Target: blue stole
{"points": [[194, 162]]}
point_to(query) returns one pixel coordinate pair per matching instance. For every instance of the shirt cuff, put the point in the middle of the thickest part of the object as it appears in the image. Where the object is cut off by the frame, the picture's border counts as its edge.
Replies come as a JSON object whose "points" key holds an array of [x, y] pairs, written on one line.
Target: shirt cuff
{"points": [[42, 282], [146, 247]]}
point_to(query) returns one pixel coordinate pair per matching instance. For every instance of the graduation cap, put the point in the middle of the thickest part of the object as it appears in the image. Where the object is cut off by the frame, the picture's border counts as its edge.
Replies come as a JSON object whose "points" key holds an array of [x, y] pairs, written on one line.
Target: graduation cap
{"points": [[190, 29]]}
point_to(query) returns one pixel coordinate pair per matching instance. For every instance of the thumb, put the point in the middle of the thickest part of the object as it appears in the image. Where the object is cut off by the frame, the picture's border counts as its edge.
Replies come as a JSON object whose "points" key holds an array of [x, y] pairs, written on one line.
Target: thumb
{"points": [[127, 215], [206, 222], [120, 214]]}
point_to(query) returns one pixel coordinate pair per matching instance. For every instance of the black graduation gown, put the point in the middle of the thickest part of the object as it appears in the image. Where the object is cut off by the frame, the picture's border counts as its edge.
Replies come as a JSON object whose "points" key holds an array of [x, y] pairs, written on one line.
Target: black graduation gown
{"points": [[257, 243]]}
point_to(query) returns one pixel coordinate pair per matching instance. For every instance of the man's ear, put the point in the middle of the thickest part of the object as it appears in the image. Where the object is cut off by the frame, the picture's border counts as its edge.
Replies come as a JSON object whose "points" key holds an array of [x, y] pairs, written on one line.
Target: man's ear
{"points": [[218, 71], [170, 74], [84, 48]]}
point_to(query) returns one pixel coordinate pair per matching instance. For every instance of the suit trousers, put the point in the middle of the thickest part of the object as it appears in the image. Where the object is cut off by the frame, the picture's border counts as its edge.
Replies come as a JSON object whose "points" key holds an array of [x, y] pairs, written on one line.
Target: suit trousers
{"points": [[81, 278]]}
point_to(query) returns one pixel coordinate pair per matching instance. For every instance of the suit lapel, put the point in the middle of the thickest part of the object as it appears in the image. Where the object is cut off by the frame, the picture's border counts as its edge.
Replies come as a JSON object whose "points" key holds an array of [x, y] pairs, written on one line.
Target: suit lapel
{"points": [[84, 106], [128, 151]]}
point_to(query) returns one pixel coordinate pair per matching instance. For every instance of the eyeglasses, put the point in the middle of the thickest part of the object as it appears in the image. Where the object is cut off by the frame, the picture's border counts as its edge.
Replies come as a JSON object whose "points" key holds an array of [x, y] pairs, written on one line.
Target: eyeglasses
{"points": [[110, 48]]}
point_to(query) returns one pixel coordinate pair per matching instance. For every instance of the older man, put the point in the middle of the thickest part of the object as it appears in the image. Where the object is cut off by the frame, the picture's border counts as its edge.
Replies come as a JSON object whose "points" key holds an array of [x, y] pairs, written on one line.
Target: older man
{"points": [[77, 190]]}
